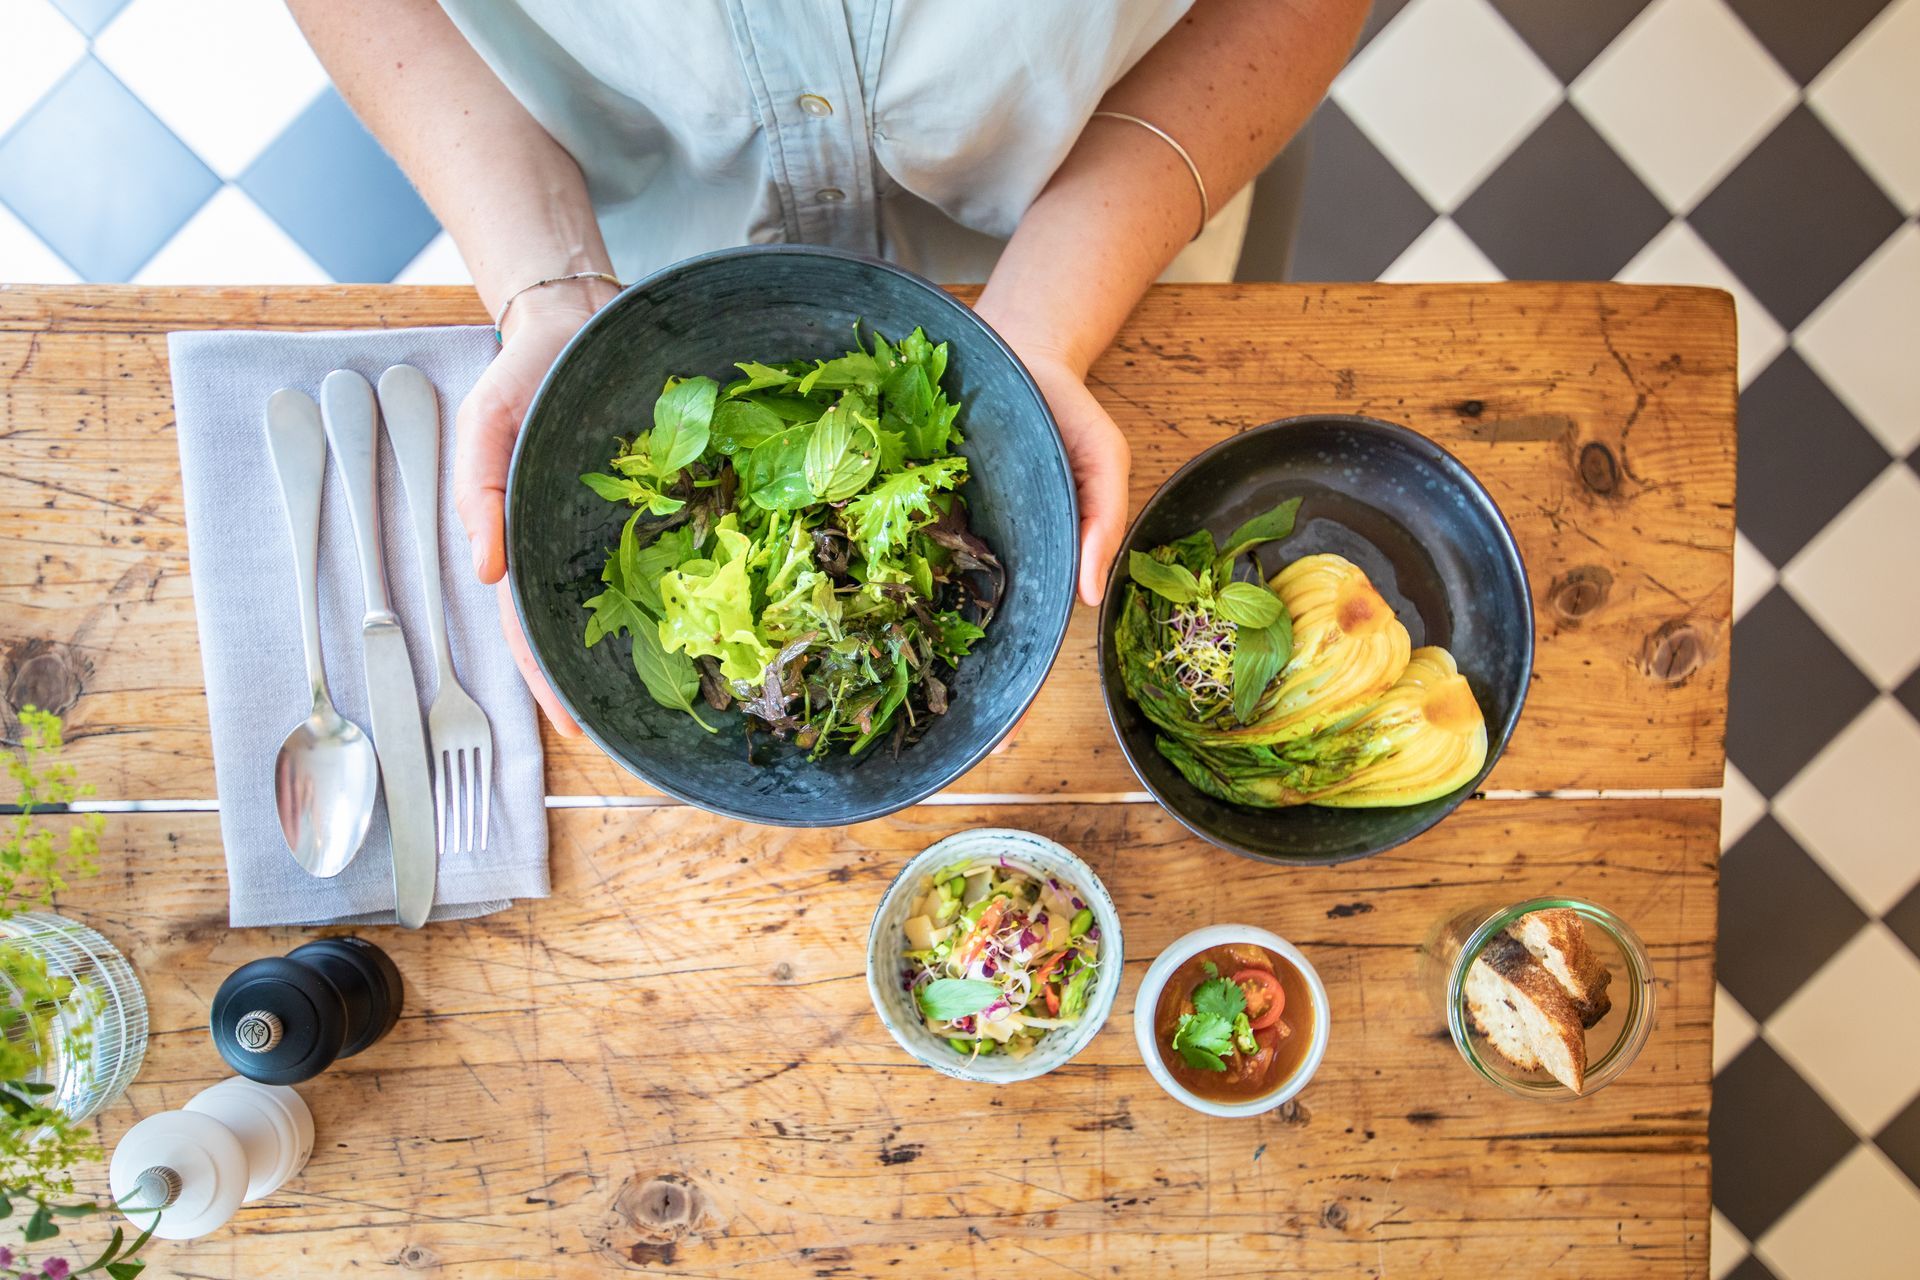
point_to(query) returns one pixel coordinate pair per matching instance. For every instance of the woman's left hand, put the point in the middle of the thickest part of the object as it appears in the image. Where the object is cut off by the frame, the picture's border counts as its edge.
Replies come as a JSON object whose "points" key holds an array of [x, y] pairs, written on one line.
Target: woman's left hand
{"points": [[1101, 462]]}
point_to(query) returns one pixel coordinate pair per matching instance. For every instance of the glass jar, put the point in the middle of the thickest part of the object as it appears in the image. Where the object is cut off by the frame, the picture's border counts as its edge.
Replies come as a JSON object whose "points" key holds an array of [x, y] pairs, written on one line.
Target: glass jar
{"points": [[1612, 1043], [99, 1036]]}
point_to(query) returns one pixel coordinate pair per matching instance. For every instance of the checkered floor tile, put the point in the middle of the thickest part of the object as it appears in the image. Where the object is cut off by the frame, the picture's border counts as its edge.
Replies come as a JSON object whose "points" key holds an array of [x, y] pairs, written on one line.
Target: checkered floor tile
{"points": [[1766, 147]]}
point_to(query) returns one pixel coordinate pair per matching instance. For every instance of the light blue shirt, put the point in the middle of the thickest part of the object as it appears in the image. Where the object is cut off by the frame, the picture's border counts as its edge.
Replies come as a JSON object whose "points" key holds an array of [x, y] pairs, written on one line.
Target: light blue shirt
{"points": [[917, 130]]}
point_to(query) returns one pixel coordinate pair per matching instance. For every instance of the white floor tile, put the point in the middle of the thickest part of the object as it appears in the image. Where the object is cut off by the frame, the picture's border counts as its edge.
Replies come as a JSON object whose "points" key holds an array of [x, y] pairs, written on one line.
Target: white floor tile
{"points": [[1726, 1247], [1858, 577], [25, 257], [1741, 805], [1854, 1030], [1733, 1029], [38, 48], [1446, 91], [1753, 575], [439, 263], [1856, 807], [1679, 256], [1683, 94], [1870, 97], [1861, 1222], [226, 75], [231, 241], [1441, 254], [1862, 340]]}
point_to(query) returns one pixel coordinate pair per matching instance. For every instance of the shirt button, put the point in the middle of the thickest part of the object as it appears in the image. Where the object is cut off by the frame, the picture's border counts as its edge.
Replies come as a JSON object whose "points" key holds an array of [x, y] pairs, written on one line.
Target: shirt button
{"points": [[830, 195], [815, 105]]}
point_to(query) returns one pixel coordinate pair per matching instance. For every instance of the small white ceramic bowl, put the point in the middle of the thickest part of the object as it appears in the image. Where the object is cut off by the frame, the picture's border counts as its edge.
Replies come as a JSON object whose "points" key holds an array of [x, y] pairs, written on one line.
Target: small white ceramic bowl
{"points": [[1172, 958], [886, 946]]}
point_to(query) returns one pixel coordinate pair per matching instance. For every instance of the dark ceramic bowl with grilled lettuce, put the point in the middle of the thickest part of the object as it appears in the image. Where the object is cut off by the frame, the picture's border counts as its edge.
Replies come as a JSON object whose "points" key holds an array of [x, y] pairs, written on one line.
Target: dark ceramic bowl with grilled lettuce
{"points": [[774, 303], [1434, 546]]}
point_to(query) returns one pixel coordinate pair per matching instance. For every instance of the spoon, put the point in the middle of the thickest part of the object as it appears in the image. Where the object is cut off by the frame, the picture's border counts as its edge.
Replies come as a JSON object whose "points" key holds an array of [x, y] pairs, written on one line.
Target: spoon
{"points": [[326, 776]]}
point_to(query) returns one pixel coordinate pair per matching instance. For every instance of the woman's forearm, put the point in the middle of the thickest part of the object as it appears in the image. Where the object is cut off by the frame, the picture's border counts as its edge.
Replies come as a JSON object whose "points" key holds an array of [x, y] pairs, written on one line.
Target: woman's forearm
{"points": [[1233, 81], [511, 197]]}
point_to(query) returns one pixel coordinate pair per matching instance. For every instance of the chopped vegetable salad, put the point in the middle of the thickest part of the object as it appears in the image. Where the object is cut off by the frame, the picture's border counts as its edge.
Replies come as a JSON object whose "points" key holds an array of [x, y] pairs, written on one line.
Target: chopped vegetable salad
{"points": [[998, 955]]}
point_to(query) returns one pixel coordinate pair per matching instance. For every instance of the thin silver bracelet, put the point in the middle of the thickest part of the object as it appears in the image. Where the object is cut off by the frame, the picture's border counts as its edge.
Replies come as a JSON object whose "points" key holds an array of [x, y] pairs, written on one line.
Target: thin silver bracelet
{"points": [[501, 323], [1199, 183]]}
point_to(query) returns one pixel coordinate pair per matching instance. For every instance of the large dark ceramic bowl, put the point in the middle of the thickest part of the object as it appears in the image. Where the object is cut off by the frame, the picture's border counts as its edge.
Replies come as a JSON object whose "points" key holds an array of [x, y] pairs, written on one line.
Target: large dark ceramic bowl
{"points": [[1432, 541], [781, 303]]}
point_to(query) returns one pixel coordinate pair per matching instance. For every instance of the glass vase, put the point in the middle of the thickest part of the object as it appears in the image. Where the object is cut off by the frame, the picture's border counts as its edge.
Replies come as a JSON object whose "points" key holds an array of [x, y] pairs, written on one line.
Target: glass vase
{"points": [[98, 1035]]}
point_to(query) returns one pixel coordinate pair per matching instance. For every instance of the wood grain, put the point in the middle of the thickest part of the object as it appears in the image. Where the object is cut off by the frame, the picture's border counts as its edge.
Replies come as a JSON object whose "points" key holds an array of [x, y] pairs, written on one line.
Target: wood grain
{"points": [[1600, 417], [673, 1067]]}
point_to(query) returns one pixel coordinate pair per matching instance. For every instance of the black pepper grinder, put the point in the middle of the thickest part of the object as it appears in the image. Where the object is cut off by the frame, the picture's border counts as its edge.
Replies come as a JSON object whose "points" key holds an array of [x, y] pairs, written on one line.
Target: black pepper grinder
{"points": [[287, 1018]]}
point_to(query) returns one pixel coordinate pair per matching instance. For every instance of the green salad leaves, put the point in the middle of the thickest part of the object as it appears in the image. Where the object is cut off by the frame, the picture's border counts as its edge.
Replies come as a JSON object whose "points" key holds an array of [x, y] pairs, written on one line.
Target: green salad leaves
{"points": [[798, 547]]}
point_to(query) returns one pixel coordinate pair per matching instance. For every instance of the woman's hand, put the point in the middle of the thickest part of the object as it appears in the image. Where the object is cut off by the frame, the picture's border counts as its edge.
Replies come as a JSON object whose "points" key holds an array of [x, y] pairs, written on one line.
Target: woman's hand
{"points": [[1101, 463], [538, 326]]}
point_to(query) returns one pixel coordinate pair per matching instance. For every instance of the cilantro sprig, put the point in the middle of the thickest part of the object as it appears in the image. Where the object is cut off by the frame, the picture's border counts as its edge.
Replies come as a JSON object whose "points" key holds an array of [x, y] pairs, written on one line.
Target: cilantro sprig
{"points": [[1216, 1026]]}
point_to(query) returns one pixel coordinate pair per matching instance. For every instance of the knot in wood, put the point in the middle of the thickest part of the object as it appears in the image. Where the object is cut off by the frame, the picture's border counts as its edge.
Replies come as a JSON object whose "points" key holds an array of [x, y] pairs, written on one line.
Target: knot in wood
{"points": [[1335, 1216], [1471, 408], [45, 674], [1293, 1112], [1579, 591], [417, 1257], [1674, 651], [1599, 470]]}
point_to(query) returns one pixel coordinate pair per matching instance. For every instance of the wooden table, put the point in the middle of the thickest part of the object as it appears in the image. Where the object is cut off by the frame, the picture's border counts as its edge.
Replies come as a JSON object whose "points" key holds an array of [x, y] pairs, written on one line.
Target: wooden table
{"points": [[672, 1066]]}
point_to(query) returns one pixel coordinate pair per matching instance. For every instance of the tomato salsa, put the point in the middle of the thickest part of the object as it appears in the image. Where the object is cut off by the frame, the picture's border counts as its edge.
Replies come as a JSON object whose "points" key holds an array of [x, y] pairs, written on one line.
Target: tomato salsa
{"points": [[1234, 1022]]}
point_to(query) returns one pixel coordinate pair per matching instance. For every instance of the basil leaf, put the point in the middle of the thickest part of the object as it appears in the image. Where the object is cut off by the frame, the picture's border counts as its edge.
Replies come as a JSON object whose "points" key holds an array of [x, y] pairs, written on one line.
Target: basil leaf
{"points": [[855, 369], [760, 376], [1173, 581], [682, 418], [945, 999], [1256, 661], [671, 678], [786, 408], [637, 492], [741, 424], [1270, 526], [775, 474], [1248, 604], [842, 455]]}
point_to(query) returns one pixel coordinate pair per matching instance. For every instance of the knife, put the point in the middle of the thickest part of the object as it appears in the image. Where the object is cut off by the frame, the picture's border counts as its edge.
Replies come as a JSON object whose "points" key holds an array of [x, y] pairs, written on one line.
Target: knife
{"points": [[393, 700]]}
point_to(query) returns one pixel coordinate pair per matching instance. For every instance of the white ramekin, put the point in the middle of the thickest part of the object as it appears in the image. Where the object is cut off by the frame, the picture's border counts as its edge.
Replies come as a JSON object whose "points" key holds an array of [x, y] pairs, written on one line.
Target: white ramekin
{"points": [[1156, 980], [886, 944]]}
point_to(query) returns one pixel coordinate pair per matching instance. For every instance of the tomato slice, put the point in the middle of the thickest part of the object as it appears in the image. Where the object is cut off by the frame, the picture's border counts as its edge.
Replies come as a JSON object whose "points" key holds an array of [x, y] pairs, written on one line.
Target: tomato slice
{"points": [[1270, 993]]}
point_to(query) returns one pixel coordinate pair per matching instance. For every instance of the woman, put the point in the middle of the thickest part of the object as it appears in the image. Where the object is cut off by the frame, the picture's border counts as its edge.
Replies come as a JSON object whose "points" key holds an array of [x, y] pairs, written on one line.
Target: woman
{"points": [[1066, 153]]}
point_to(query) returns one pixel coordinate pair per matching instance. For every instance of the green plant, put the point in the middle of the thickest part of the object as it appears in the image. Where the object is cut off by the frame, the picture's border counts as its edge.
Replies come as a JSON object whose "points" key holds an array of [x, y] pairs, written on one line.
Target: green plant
{"points": [[40, 1144]]}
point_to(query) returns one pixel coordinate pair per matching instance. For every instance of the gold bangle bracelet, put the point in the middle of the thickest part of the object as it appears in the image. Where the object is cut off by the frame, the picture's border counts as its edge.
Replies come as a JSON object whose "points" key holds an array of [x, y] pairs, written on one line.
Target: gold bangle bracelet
{"points": [[1199, 183], [501, 323]]}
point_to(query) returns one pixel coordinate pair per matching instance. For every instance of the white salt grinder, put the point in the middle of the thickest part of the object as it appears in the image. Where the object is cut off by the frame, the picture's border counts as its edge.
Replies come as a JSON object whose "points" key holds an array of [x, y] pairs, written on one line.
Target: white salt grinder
{"points": [[233, 1143]]}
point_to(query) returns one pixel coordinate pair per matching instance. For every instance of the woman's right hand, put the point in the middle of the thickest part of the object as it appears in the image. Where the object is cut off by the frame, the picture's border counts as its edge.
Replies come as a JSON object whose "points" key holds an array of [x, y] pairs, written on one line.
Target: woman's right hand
{"points": [[538, 326]]}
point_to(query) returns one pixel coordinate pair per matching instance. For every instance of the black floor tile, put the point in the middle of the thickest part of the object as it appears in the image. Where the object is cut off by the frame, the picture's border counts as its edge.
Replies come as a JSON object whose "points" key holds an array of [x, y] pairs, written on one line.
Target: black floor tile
{"points": [[1781, 918], [1901, 1141], [1750, 1268], [1791, 691], [1772, 1138], [1562, 207], [1909, 693], [1804, 35], [1359, 213], [1795, 217], [1802, 457], [1904, 920], [1569, 36]]}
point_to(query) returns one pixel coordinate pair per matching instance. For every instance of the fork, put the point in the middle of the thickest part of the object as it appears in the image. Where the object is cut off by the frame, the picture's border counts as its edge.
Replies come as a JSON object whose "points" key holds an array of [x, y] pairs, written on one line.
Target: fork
{"points": [[460, 741]]}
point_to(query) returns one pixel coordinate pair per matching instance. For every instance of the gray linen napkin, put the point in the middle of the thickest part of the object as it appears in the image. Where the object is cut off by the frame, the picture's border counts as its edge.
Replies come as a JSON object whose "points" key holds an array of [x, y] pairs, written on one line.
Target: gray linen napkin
{"points": [[243, 595]]}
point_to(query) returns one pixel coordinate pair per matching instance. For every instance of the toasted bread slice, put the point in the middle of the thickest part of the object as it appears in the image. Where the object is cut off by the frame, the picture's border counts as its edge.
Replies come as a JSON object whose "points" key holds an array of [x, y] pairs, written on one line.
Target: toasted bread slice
{"points": [[1525, 1014], [1558, 940]]}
